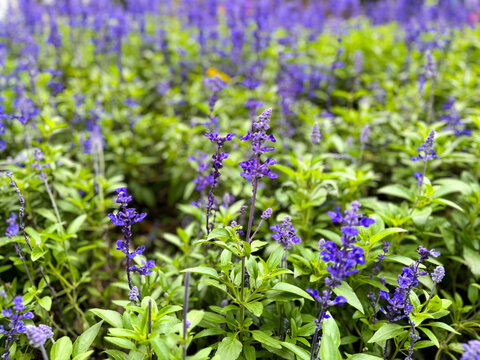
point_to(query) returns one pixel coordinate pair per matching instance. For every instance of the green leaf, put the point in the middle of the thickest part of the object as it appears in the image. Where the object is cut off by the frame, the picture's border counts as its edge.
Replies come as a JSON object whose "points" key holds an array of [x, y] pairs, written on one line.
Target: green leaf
{"points": [[124, 333], [292, 289], [76, 224], [387, 331], [37, 253], [229, 348], [219, 233], [84, 356], [364, 357], [46, 302], [84, 341], [347, 292], [62, 349], [118, 355], [34, 235], [160, 348], [47, 213], [398, 191], [167, 310], [203, 354], [297, 350], [431, 336], [255, 307], [249, 352], [112, 317], [203, 270], [443, 326], [195, 316], [447, 202], [329, 346], [420, 217], [123, 343], [384, 233], [472, 259], [275, 258], [265, 339]]}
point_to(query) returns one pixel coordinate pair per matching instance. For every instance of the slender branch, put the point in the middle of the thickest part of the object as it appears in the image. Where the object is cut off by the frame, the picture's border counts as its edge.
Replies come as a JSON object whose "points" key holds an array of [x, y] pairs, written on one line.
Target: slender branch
{"points": [[27, 241], [185, 311]]}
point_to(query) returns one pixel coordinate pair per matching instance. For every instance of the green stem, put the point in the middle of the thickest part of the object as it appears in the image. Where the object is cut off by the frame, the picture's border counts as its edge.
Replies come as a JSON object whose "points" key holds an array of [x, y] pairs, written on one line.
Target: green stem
{"points": [[249, 230]]}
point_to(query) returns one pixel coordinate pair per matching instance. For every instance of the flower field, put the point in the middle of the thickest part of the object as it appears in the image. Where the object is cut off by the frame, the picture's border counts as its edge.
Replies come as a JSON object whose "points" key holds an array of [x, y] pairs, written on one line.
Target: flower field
{"points": [[268, 179]]}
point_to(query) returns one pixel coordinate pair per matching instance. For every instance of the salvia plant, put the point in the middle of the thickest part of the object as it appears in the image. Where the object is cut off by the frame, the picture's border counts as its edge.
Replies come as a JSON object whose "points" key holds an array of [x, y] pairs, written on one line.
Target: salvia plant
{"points": [[309, 170]]}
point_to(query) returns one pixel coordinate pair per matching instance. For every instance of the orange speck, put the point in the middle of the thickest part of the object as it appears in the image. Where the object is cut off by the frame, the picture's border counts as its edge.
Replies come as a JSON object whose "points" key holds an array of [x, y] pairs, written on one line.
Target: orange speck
{"points": [[212, 72]]}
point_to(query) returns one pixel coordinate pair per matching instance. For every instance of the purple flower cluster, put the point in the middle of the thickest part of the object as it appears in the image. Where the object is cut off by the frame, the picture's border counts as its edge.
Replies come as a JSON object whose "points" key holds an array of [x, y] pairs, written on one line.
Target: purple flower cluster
{"points": [[254, 169], [316, 134], [39, 158], [26, 108], [125, 218], [12, 228], [216, 164], [145, 269], [3, 143], [37, 336], [453, 120], [399, 305], [343, 260], [16, 315], [285, 233], [472, 350], [133, 295], [351, 220], [426, 151], [438, 274]]}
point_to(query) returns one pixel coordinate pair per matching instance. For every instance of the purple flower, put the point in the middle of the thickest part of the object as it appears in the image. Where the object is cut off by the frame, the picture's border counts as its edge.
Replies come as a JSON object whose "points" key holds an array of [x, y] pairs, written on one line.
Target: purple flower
{"points": [[13, 227], [438, 274], [351, 219], [399, 305], [37, 336], [472, 350], [419, 177], [216, 165], [266, 214], [286, 234], [316, 134], [125, 218], [426, 151], [453, 120], [430, 65], [133, 295], [16, 315], [27, 109], [145, 269], [254, 169], [365, 134]]}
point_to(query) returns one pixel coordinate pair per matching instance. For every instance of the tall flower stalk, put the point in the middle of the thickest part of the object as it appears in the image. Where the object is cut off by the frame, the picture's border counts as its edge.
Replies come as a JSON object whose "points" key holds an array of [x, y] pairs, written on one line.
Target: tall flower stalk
{"points": [[342, 262], [253, 170], [286, 235], [425, 153], [399, 306], [125, 218], [216, 164]]}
